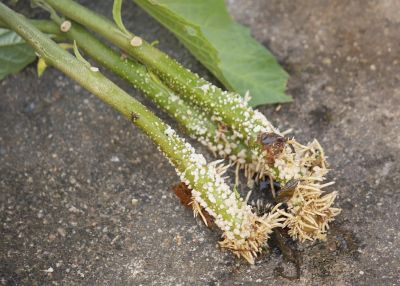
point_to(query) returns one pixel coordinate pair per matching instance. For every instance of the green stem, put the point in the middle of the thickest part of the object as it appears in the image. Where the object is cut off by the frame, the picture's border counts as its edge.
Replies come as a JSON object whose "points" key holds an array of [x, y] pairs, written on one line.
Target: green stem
{"points": [[46, 26], [221, 142], [190, 117], [141, 78], [227, 106]]}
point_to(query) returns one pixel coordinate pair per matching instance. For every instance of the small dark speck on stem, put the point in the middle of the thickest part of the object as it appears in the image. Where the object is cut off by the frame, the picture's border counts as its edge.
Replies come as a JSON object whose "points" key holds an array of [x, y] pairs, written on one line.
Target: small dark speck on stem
{"points": [[134, 117]]}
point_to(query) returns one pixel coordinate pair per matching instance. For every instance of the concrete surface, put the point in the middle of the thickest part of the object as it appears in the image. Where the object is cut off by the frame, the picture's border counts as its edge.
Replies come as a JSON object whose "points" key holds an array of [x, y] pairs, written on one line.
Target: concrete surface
{"points": [[70, 166]]}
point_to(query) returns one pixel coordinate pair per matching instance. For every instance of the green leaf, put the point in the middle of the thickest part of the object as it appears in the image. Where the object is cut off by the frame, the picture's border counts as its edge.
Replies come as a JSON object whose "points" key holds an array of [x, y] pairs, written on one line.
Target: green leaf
{"points": [[116, 11], [79, 56], [41, 67], [223, 46], [15, 54]]}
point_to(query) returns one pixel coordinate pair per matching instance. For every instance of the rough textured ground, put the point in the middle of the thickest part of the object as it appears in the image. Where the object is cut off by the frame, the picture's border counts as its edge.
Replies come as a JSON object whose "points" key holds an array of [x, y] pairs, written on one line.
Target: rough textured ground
{"points": [[70, 166]]}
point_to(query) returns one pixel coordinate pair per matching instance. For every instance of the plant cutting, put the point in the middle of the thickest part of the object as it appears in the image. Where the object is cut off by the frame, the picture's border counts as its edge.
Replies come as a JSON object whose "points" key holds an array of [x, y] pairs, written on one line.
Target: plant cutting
{"points": [[244, 233], [295, 172], [251, 141]]}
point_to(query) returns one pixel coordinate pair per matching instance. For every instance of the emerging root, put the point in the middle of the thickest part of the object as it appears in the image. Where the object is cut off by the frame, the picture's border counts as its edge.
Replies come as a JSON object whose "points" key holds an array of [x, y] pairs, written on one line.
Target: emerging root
{"points": [[257, 228], [197, 210], [309, 210], [309, 214], [260, 229]]}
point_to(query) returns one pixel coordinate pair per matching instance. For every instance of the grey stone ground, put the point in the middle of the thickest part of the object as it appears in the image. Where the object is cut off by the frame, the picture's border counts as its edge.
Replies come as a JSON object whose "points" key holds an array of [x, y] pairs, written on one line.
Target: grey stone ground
{"points": [[70, 166]]}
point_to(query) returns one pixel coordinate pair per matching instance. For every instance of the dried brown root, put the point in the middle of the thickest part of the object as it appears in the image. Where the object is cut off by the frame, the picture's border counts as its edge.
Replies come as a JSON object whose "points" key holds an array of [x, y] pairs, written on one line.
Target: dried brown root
{"points": [[183, 193]]}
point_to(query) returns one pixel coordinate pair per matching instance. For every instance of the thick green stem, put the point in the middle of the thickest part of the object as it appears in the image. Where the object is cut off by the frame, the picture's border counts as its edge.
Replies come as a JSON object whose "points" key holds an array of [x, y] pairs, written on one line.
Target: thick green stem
{"points": [[190, 117], [46, 26], [221, 142], [195, 122], [141, 78], [229, 108]]}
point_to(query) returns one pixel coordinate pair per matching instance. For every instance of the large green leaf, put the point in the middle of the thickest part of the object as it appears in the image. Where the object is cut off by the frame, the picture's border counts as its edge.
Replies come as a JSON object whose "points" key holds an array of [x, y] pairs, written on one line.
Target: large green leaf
{"points": [[15, 54], [223, 46]]}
